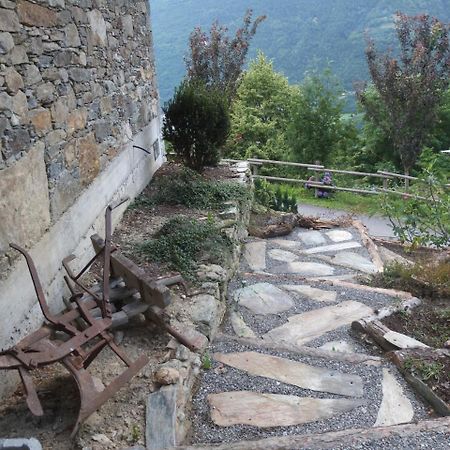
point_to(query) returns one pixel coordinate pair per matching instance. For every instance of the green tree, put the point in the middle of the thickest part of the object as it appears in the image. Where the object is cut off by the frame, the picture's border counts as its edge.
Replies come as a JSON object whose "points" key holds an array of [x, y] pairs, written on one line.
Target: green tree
{"points": [[196, 123], [218, 60], [317, 131], [260, 113], [410, 86]]}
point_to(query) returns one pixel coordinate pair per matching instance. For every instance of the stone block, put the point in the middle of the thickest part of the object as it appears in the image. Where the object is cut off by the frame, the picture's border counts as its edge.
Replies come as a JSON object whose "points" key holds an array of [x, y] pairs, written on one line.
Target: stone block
{"points": [[55, 137], [5, 101], [76, 120], [36, 15], [71, 36], [41, 120], [89, 160], [45, 93], [6, 43], [79, 74], [36, 46], [19, 106], [64, 193], [127, 25], [13, 80], [18, 55], [9, 20], [22, 185], [98, 27], [161, 419], [32, 75], [15, 140]]}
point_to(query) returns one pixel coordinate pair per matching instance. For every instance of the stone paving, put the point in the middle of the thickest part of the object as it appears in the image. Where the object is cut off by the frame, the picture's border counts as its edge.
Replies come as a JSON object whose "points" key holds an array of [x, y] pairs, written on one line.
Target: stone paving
{"points": [[256, 388]]}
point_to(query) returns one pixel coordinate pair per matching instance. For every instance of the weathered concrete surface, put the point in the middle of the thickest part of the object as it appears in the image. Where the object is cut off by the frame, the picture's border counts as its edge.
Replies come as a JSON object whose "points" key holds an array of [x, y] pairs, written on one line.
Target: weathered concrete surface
{"points": [[273, 410], [302, 328], [395, 407], [292, 372]]}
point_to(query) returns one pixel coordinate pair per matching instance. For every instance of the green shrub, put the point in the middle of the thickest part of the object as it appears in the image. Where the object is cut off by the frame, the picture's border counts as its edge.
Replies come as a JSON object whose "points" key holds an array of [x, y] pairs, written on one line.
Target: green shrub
{"points": [[424, 219], [196, 123], [188, 188], [182, 241]]}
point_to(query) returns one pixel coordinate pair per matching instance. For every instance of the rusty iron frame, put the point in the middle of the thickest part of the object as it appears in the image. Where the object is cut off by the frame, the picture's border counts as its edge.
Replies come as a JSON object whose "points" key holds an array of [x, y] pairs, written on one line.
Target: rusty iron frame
{"points": [[85, 336]]}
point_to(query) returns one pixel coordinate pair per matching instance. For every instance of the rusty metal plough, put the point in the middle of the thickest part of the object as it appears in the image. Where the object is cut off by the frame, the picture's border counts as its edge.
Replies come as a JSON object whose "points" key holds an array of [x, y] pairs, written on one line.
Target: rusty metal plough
{"points": [[74, 338]]}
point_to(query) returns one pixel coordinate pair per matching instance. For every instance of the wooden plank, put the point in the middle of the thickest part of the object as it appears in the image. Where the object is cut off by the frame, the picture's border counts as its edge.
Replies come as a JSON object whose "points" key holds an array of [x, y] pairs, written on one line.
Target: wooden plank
{"points": [[369, 244], [398, 358], [290, 180], [348, 438], [283, 163], [135, 277], [161, 419], [350, 172]]}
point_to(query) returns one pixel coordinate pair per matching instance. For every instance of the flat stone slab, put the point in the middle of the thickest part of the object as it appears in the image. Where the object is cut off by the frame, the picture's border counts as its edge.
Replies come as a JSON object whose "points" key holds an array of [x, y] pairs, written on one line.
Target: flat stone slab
{"points": [[240, 327], [161, 419], [263, 298], [339, 235], [302, 328], [332, 248], [319, 295], [354, 261], [293, 372], [306, 269], [312, 238], [282, 255], [255, 255], [402, 341], [274, 410], [285, 243], [338, 346], [395, 406]]}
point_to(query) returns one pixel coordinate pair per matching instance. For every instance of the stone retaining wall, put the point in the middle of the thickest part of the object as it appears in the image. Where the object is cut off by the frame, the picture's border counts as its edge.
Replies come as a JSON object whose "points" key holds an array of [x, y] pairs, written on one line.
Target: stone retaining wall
{"points": [[77, 91]]}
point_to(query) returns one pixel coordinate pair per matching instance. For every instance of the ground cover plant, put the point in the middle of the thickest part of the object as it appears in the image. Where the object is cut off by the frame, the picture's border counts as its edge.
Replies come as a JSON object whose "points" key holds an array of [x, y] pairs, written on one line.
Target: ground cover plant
{"points": [[182, 242], [190, 189]]}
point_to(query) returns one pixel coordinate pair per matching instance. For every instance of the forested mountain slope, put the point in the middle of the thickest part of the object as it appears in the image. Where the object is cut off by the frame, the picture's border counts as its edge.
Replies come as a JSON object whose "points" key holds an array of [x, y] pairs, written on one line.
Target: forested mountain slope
{"points": [[299, 35]]}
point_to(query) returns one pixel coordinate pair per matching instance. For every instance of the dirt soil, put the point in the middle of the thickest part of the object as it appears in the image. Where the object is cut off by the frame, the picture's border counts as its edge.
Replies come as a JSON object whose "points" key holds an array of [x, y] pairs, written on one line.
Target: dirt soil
{"points": [[118, 423]]}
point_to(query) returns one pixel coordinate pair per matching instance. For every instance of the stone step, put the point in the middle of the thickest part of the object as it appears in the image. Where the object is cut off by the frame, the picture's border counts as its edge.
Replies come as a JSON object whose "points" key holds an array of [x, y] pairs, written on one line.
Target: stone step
{"points": [[292, 372], [302, 328], [274, 410]]}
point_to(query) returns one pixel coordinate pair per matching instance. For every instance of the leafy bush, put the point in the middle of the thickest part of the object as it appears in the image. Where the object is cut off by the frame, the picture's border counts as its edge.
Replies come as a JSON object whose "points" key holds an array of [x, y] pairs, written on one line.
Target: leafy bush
{"points": [[188, 188], [196, 123], [284, 200], [424, 219], [263, 193], [181, 242]]}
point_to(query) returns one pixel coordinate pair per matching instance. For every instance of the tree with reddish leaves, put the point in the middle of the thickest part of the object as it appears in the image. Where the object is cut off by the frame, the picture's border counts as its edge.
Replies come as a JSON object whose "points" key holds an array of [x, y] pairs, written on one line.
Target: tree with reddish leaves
{"points": [[411, 86], [218, 60]]}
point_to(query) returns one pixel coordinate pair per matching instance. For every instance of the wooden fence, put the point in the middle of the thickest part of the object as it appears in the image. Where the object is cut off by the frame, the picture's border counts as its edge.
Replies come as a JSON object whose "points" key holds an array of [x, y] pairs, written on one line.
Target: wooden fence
{"points": [[316, 169]]}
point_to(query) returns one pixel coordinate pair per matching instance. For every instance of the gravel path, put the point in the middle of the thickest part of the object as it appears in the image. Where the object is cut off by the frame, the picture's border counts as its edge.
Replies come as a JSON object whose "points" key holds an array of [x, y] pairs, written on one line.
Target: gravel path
{"points": [[225, 422]]}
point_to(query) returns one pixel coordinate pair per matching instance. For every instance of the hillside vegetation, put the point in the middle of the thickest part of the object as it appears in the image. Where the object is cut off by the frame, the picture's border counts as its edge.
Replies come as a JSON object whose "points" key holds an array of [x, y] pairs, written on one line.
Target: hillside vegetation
{"points": [[298, 35]]}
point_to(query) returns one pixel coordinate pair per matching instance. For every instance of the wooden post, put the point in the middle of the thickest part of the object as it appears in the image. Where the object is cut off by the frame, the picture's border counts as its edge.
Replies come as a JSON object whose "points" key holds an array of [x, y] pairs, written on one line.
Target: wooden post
{"points": [[254, 169], [385, 183], [317, 179]]}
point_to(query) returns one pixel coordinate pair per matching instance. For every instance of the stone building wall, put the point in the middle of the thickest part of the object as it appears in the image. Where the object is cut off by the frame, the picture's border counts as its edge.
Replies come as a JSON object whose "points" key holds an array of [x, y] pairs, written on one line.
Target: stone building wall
{"points": [[77, 92]]}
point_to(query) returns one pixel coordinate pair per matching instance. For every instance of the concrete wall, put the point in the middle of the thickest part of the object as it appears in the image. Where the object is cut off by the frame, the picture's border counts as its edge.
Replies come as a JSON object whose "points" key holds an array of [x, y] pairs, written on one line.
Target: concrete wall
{"points": [[77, 91]]}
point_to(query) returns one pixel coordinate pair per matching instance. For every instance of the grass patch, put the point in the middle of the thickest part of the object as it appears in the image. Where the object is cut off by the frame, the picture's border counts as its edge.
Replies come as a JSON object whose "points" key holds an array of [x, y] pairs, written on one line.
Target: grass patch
{"points": [[190, 189], [345, 201], [182, 242]]}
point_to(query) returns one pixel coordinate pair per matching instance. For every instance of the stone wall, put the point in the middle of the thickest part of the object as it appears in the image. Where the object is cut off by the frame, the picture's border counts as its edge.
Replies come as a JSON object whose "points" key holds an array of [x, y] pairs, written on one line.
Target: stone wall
{"points": [[77, 92]]}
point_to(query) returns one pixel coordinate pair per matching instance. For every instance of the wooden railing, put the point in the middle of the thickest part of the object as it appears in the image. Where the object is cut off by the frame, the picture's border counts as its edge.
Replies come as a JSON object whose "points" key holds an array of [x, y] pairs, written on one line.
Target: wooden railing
{"points": [[255, 164]]}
